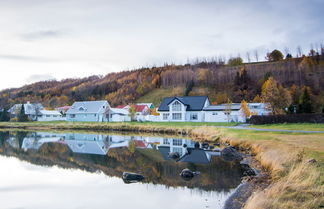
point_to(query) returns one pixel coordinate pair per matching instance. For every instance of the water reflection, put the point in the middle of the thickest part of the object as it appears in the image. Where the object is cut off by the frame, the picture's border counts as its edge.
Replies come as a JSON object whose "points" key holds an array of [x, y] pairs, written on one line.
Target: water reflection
{"points": [[114, 154]]}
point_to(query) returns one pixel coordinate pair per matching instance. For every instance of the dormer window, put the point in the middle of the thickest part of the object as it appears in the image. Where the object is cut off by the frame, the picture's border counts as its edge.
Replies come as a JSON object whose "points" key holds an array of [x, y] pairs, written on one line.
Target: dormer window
{"points": [[81, 108], [176, 106]]}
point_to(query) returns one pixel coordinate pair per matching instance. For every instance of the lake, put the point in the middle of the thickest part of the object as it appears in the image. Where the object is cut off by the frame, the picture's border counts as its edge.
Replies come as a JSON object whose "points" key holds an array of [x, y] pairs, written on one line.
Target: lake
{"points": [[83, 171]]}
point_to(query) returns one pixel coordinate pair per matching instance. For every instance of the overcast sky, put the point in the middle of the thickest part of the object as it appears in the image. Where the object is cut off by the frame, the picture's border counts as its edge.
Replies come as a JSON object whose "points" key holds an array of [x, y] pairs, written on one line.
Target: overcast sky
{"points": [[56, 39]]}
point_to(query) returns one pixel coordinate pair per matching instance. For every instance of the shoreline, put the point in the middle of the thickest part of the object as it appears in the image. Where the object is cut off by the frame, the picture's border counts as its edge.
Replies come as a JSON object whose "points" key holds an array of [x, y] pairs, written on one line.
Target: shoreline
{"points": [[272, 158]]}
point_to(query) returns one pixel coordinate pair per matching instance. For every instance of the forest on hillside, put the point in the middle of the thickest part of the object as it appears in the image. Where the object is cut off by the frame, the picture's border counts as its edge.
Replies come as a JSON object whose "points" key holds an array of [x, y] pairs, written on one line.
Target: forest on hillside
{"points": [[234, 81]]}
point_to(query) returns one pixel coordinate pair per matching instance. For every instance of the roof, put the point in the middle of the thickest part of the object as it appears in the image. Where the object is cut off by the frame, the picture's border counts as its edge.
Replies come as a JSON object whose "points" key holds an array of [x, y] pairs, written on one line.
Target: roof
{"points": [[87, 147], [50, 112], [139, 144], [140, 108], [164, 150], [193, 103], [120, 106], [30, 108], [148, 104], [196, 156], [222, 107], [119, 111], [88, 107]]}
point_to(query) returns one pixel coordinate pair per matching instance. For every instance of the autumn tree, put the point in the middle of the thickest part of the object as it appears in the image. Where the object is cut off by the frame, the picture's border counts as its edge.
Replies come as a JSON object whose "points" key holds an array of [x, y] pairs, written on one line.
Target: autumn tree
{"points": [[245, 109], [235, 61], [132, 112], [257, 99], [275, 55], [276, 95]]}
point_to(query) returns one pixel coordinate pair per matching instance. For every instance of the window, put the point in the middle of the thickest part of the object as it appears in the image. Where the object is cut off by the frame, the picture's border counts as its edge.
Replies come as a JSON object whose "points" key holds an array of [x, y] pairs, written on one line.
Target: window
{"points": [[48, 116], [95, 115], [214, 113], [166, 141], [193, 116], [176, 116], [177, 142], [176, 106], [55, 116], [72, 116], [165, 116], [81, 108]]}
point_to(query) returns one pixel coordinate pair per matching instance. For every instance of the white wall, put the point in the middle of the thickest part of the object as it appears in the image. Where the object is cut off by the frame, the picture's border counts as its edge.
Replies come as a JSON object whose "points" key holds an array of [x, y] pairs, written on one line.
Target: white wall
{"points": [[119, 118], [50, 118]]}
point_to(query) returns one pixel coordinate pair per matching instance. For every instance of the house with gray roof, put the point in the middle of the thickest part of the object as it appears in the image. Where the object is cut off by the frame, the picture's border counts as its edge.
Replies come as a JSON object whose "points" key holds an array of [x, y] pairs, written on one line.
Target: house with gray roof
{"points": [[32, 110], [233, 112], [188, 108], [89, 111]]}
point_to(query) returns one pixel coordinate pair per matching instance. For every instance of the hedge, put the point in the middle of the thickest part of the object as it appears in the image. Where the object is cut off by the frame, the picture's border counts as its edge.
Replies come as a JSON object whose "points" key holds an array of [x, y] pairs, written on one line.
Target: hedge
{"points": [[290, 118]]}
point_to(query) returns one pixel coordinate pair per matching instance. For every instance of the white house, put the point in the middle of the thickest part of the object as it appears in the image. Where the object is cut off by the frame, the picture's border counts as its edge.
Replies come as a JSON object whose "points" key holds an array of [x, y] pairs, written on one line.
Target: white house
{"points": [[32, 110], [50, 115], [179, 109], [91, 111], [118, 115], [233, 112], [224, 113]]}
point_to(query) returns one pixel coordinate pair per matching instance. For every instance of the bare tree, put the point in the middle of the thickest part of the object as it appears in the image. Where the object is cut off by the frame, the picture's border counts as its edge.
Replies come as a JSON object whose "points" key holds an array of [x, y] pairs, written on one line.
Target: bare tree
{"points": [[256, 55], [299, 51], [248, 57]]}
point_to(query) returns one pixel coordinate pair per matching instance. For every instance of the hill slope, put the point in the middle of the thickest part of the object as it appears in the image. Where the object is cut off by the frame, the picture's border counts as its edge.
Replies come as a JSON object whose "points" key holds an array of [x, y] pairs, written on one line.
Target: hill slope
{"points": [[152, 84]]}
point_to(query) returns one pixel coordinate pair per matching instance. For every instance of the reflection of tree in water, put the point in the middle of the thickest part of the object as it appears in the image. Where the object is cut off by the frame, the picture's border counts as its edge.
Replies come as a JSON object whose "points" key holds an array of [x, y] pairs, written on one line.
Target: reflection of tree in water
{"points": [[218, 175]]}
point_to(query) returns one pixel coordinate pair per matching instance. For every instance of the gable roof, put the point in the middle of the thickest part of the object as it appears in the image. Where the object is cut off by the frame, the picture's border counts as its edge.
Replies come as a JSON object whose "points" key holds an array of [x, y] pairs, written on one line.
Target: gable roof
{"points": [[88, 107], [50, 112], [140, 108], [196, 156], [193, 103]]}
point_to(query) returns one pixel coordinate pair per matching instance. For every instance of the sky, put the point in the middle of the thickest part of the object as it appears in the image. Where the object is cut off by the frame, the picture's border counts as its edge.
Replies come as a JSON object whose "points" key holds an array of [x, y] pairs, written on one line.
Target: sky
{"points": [[46, 39]]}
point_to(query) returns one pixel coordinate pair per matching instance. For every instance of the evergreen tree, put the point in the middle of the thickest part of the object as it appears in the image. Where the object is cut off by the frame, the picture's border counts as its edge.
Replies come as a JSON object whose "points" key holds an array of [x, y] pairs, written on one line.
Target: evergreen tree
{"points": [[22, 117], [305, 102], [4, 115], [189, 87]]}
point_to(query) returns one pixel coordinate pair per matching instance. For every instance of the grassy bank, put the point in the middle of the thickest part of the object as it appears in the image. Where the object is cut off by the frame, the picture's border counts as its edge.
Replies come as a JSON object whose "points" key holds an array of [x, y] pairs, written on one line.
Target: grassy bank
{"points": [[293, 126], [296, 182]]}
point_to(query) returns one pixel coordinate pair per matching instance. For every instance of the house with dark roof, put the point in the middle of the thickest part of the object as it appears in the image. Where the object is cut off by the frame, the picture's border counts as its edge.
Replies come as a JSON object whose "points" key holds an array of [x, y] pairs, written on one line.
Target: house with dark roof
{"points": [[91, 111], [188, 108]]}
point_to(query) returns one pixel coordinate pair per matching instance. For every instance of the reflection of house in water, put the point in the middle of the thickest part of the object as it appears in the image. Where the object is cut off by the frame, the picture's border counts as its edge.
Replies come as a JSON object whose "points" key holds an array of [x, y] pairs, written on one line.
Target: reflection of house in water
{"points": [[186, 149], [88, 143], [36, 140], [33, 140]]}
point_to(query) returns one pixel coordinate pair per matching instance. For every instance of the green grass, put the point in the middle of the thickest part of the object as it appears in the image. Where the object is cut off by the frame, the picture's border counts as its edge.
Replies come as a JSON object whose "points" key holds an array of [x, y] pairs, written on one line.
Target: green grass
{"points": [[293, 126], [156, 95]]}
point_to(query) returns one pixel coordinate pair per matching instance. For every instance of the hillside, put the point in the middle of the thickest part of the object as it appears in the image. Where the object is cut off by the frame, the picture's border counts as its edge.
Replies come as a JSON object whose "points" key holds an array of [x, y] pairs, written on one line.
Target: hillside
{"points": [[219, 81]]}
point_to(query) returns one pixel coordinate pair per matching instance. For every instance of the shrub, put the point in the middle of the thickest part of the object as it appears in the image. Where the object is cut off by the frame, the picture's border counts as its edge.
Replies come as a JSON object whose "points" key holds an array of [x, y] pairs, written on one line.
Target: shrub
{"points": [[291, 118]]}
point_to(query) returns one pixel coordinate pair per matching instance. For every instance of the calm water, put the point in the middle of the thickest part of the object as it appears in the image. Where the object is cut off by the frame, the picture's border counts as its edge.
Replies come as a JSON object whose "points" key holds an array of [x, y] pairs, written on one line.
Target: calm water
{"points": [[74, 170]]}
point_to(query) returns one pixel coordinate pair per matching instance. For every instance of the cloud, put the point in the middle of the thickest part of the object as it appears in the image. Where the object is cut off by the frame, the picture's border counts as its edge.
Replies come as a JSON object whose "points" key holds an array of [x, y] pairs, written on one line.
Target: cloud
{"points": [[42, 34], [25, 58], [39, 77]]}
